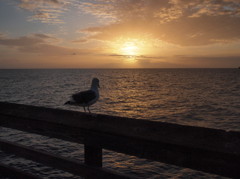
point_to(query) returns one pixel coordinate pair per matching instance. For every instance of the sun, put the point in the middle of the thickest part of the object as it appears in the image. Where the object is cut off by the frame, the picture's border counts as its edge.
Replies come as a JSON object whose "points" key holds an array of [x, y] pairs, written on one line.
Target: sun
{"points": [[129, 49], [127, 46]]}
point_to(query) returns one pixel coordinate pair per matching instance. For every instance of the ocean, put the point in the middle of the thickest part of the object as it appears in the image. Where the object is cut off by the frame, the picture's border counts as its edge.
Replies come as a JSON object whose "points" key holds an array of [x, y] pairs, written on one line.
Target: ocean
{"points": [[196, 97]]}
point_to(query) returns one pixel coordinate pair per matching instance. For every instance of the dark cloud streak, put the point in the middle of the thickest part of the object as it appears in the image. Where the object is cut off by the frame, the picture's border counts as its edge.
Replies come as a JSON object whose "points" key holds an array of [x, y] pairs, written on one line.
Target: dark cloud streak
{"points": [[41, 44]]}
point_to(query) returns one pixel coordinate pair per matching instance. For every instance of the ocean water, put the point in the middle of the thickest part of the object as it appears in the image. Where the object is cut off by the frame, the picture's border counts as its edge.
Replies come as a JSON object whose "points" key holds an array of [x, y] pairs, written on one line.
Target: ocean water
{"points": [[197, 97]]}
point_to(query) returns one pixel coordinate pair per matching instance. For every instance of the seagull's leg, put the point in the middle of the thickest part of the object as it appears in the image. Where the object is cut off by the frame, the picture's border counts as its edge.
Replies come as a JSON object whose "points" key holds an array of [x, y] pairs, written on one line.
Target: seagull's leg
{"points": [[84, 108], [89, 110]]}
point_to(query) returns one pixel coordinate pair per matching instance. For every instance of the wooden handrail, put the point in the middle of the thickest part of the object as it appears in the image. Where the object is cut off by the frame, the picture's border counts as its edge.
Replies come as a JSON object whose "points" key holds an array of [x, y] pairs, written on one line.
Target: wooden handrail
{"points": [[209, 150], [63, 163]]}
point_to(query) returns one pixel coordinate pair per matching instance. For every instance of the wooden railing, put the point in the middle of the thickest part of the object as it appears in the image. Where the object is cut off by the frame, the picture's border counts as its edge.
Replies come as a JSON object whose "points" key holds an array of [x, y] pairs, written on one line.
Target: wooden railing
{"points": [[208, 150]]}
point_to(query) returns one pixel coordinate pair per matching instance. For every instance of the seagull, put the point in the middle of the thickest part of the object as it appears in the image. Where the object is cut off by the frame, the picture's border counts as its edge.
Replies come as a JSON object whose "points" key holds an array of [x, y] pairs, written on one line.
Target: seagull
{"points": [[86, 98]]}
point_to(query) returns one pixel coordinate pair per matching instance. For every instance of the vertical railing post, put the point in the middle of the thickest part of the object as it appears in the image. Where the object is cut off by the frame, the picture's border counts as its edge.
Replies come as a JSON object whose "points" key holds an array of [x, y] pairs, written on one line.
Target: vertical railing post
{"points": [[92, 155]]}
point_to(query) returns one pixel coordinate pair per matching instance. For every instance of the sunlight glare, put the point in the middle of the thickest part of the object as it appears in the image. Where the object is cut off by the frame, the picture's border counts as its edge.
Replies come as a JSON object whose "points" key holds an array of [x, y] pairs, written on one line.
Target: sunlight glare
{"points": [[130, 49]]}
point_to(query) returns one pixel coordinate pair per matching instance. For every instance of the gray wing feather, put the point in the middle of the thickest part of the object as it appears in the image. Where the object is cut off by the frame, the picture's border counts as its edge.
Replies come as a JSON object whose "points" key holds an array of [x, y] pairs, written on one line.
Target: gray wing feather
{"points": [[84, 96]]}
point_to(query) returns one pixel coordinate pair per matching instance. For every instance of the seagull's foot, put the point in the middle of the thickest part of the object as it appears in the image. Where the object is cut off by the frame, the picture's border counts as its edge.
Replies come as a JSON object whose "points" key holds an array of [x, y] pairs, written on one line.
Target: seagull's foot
{"points": [[93, 114]]}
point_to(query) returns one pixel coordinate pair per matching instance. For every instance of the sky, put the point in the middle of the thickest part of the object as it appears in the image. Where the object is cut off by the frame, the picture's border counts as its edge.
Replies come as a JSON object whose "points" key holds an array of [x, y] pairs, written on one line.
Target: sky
{"points": [[119, 34]]}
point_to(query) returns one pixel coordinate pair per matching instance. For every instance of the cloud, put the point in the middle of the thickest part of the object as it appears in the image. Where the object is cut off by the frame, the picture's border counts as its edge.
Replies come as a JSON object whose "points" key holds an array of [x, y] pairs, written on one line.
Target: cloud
{"points": [[31, 40], [119, 10], [46, 11], [43, 44], [181, 22], [163, 11], [2, 35], [83, 40], [198, 22]]}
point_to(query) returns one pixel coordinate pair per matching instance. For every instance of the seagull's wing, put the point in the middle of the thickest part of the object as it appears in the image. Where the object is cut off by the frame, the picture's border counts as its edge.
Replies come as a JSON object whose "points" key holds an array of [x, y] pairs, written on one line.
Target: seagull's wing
{"points": [[84, 96]]}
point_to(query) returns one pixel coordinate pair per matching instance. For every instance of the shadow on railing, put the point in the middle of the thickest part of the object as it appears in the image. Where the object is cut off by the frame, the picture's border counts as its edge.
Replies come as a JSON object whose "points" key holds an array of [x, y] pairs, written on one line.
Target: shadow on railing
{"points": [[208, 150]]}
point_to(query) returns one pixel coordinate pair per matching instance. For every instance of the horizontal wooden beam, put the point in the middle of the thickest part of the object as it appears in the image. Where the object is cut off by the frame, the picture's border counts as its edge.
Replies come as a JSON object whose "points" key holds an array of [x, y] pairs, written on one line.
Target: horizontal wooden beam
{"points": [[66, 164], [209, 150], [8, 171], [210, 139]]}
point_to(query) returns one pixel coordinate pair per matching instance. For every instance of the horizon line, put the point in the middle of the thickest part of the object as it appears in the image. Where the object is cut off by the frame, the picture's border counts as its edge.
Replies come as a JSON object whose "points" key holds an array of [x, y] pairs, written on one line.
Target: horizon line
{"points": [[116, 68]]}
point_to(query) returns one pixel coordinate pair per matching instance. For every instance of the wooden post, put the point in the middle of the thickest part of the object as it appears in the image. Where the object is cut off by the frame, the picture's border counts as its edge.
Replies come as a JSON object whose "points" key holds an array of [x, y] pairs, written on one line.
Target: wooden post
{"points": [[93, 155]]}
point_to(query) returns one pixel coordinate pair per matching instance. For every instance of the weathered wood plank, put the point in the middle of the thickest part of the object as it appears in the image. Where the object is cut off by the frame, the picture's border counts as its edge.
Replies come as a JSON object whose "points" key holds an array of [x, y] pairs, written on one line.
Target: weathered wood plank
{"points": [[66, 164], [209, 150]]}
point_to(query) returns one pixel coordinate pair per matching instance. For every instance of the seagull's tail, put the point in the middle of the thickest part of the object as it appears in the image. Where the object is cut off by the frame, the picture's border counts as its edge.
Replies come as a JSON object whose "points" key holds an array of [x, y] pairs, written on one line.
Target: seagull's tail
{"points": [[68, 102]]}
